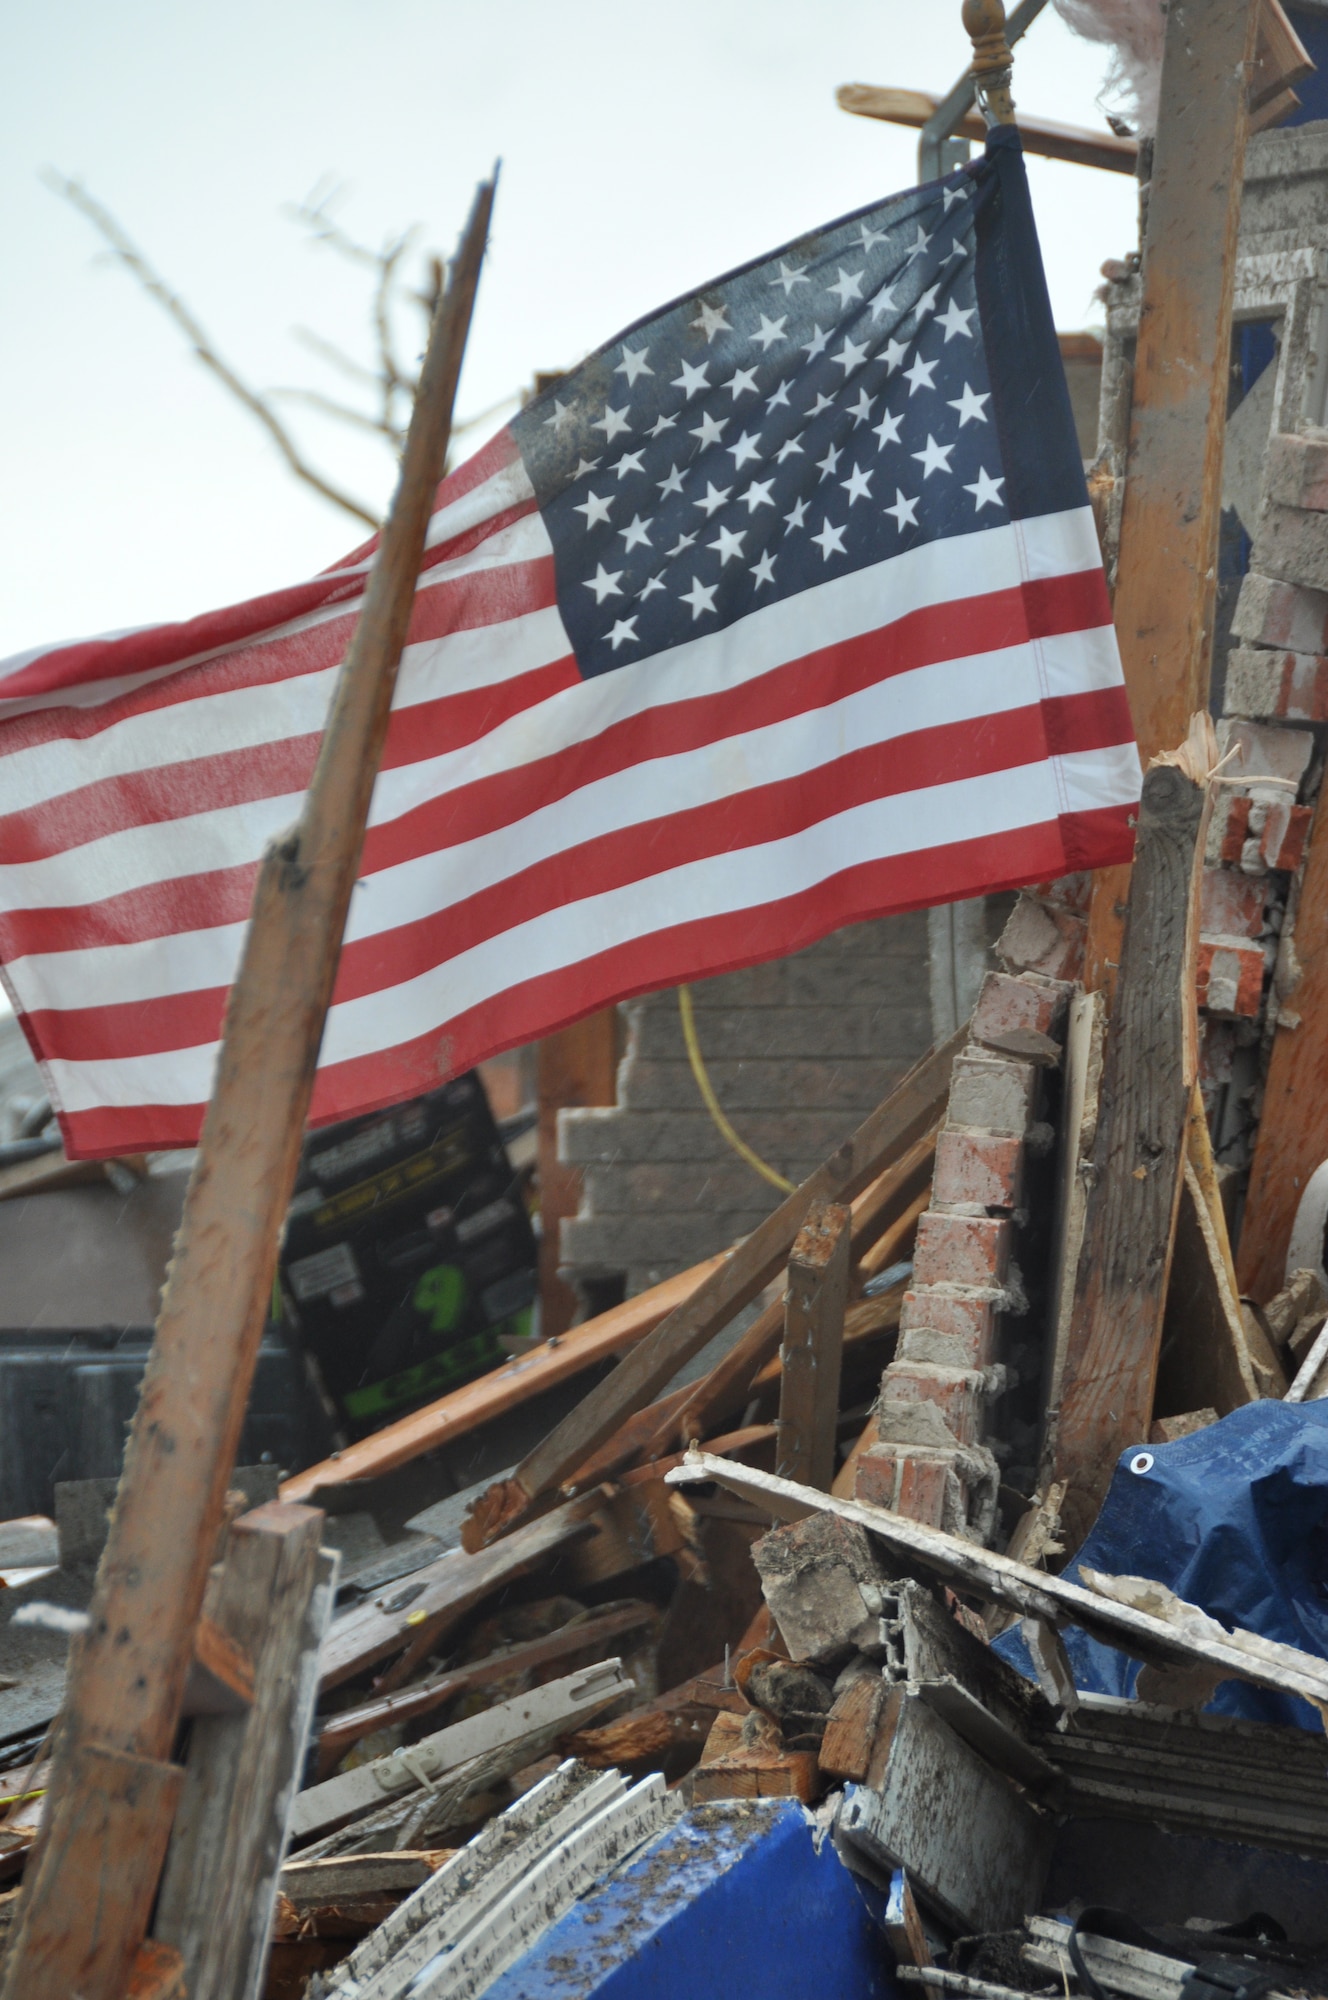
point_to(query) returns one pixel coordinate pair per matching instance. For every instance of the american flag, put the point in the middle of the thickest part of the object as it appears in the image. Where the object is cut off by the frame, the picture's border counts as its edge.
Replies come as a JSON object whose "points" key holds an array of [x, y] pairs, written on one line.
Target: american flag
{"points": [[782, 611]]}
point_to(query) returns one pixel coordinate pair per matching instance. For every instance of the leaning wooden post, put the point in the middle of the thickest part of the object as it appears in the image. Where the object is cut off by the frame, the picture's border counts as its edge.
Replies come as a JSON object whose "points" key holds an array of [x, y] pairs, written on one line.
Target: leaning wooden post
{"points": [[1167, 574], [113, 1790], [1148, 1076], [813, 1346]]}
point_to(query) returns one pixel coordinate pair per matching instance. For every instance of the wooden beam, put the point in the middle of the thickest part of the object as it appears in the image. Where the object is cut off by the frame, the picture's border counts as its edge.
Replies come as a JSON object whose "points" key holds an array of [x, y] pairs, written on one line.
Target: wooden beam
{"points": [[1135, 1615], [220, 1880], [127, 1674], [342, 1731], [578, 1066], [1042, 136], [1166, 579], [1148, 1073], [898, 1123], [813, 1345], [433, 1598], [1292, 1140]]}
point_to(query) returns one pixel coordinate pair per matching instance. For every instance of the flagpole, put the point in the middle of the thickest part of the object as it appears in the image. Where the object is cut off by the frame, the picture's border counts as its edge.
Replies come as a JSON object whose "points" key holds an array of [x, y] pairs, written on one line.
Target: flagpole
{"points": [[94, 1869], [992, 60]]}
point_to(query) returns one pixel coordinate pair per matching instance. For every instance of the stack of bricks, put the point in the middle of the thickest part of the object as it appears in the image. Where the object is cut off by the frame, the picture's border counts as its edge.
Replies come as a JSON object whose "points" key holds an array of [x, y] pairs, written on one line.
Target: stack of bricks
{"points": [[933, 1461], [1276, 693]]}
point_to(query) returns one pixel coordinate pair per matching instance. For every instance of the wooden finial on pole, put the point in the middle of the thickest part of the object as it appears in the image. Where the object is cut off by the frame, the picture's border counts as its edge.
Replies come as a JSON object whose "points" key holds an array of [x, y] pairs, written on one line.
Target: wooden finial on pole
{"points": [[992, 61]]}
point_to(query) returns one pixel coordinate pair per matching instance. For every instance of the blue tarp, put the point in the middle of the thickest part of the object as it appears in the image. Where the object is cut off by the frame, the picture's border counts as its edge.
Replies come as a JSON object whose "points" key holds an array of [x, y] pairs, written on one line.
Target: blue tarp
{"points": [[1233, 1518]]}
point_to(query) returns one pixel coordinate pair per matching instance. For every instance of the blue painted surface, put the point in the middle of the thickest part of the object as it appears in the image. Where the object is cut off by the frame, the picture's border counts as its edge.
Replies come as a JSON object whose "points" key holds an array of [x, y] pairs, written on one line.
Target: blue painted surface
{"points": [[734, 1903], [1312, 27]]}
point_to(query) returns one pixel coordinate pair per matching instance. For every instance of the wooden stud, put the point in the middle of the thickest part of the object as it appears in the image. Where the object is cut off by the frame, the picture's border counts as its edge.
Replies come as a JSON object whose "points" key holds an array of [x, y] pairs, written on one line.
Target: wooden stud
{"points": [[902, 1924], [1041, 136], [850, 1728], [227, 1847], [102, 1875], [813, 1345], [1166, 579], [577, 1066]]}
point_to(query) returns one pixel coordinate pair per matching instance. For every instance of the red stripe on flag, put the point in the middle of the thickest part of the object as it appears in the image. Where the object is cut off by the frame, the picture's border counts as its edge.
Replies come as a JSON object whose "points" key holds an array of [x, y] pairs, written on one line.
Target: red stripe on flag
{"points": [[923, 639], [615, 860], [169, 792], [86, 660], [462, 604], [706, 948]]}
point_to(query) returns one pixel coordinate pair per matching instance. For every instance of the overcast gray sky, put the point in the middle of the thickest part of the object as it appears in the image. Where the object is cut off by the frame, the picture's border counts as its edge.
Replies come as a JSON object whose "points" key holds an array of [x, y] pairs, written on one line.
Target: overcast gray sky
{"points": [[645, 149]]}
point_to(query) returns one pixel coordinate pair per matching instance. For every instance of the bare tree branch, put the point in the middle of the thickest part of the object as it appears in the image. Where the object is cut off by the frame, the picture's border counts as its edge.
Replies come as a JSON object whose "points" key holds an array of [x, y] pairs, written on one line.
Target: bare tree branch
{"points": [[392, 385], [319, 344], [128, 254], [391, 380], [331, 408]]}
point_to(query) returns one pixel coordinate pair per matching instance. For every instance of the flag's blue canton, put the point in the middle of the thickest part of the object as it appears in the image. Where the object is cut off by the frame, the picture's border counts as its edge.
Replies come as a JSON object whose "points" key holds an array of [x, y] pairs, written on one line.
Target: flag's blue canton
{"points": [[810, 415]]}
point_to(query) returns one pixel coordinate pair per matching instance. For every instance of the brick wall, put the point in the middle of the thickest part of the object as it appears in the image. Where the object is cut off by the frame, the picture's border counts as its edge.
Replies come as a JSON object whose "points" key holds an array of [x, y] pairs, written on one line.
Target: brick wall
{"points": [[799, 1051]]}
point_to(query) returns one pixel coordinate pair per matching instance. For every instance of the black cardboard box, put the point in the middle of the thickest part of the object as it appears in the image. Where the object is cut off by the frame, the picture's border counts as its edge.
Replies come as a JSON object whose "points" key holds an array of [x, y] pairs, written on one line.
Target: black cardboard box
{"points": [[409, 1259]]}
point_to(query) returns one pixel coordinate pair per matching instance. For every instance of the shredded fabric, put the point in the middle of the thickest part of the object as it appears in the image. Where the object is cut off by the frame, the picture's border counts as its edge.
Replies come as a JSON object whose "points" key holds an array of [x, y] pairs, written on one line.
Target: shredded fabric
{"points": [[1133, 30]]}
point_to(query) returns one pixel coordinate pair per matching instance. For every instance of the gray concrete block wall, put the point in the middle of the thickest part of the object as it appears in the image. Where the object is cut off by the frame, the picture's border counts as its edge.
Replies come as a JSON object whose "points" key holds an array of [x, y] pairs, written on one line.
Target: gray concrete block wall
{"points": [[798, 1050]]}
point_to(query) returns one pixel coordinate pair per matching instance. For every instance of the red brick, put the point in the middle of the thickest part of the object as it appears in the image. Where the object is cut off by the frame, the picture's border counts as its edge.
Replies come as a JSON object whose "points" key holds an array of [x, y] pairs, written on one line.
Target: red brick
{"points": [[1296, 470], [1237, 829], [1304, 693], [956, 1393], [907, 1482], [964, 1319], [1272, 613], [961, 1250], [1230, 977], [986, 1167], [1007, 1002], [1231, 904], [1039, 939], [1067, 892], [1290, 849]]}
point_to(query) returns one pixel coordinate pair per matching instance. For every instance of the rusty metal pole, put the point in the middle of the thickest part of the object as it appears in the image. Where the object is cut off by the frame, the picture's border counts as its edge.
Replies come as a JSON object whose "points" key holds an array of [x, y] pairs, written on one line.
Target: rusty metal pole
{"points": [[1167, 575], [113, 1789]]}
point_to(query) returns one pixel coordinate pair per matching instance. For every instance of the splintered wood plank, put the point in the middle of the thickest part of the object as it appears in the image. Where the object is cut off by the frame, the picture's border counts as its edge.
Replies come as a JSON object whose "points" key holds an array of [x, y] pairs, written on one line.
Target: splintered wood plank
{"points": [[432, 1599], [1207, 1362], [1138, 1157], [1133, 1614], [578, 1066], [102, 1873], [591, 1635], [897, 1124], [850, 1729], [813, 1346], [225, 1851], [1166, 578], [1293, 1127]]}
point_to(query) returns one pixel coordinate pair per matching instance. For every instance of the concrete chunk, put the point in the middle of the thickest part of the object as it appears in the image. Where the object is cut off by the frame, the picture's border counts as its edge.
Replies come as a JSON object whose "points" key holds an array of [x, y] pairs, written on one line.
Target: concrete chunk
{"points": [[825, 1587]]}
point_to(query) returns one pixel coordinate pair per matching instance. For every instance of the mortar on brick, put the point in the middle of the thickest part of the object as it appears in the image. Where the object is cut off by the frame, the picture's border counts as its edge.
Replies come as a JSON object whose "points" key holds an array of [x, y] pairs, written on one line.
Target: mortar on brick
{"points": [[991, 1093], [982, 1168]]}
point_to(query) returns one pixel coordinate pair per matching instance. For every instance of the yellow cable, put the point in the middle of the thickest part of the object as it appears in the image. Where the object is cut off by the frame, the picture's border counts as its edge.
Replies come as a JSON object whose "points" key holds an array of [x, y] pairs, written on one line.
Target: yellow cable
{"points": [[712, 1103]]}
